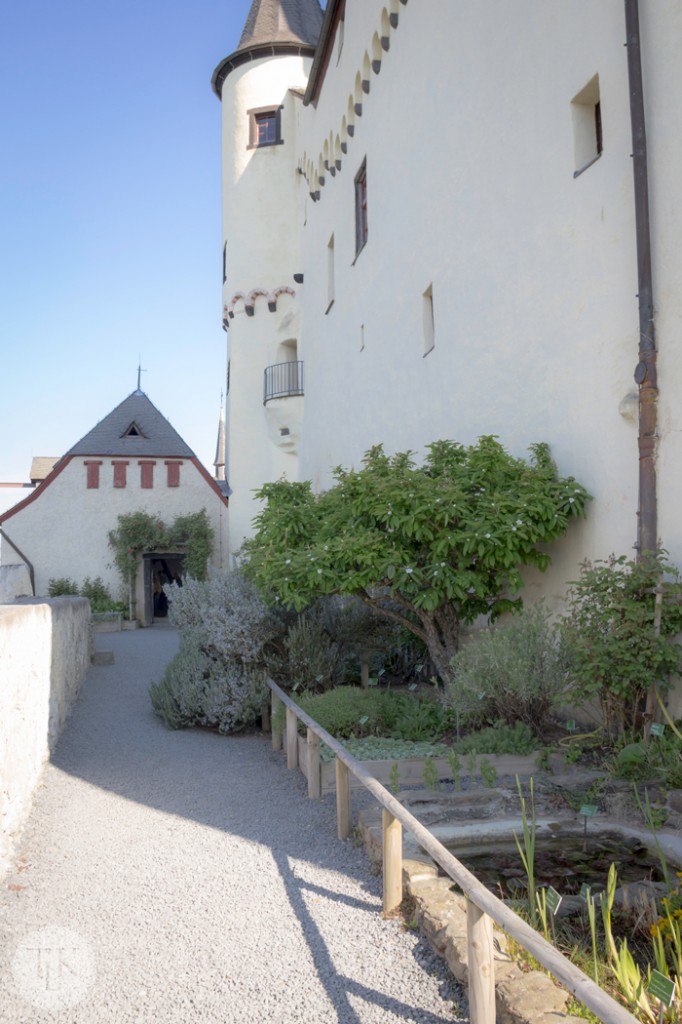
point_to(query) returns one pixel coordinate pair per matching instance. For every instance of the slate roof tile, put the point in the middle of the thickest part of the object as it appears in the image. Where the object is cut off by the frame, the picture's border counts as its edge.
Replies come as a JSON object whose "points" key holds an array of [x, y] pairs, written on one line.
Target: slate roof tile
{"points": [[156, 436], [282, 21]]}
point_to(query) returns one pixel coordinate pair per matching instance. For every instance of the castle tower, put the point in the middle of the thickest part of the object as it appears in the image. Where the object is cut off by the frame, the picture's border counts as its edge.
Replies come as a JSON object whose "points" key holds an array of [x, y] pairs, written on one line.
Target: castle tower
{"points": [[261, 86]]}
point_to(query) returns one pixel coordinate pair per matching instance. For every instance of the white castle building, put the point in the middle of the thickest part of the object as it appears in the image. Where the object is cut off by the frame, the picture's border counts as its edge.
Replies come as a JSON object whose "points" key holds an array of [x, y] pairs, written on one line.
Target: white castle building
{"points": [[431, 230]]}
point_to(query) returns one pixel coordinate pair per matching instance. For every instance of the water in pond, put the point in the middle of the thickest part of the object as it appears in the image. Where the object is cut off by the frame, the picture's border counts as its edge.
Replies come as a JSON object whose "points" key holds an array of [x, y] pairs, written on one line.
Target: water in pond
{"points": [[564, 861]]}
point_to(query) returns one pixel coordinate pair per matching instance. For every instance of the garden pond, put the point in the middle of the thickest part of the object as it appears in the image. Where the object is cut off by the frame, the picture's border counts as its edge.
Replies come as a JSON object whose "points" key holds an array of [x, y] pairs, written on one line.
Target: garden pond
{"points": [[564, 861]]}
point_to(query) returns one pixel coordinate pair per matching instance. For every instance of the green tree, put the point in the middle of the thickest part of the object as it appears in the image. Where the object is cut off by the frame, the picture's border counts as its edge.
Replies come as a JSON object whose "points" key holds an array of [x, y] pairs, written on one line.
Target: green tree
{"points": [[431, 546]]}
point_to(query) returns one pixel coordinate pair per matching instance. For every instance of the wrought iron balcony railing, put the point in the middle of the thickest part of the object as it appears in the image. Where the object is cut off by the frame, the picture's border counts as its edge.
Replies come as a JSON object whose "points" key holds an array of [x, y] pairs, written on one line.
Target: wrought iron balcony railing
{"points": [[283, 380]]}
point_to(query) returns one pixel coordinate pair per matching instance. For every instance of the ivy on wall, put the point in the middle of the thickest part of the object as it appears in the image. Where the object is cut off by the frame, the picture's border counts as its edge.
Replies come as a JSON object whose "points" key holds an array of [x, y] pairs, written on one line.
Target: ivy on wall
{"points": [[139, 532]]}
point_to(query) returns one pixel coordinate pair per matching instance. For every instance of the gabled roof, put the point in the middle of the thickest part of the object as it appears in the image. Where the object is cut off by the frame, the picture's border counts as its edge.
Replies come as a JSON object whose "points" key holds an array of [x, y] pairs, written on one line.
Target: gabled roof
{"points": [[282, 21], [135, 427]]}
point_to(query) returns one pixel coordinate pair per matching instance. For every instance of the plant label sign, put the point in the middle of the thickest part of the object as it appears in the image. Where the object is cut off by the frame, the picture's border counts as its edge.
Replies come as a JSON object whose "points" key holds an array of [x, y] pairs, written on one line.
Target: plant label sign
{"points": [[662, 988], [361, 721], [570, 725], [553, 899], [412, 686], [657, 728], [588, 810]]}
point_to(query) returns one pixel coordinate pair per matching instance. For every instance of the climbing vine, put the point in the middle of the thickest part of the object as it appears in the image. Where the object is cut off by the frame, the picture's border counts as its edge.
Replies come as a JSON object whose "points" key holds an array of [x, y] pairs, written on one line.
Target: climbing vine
{"points": [[194, 535], [138, 532]]}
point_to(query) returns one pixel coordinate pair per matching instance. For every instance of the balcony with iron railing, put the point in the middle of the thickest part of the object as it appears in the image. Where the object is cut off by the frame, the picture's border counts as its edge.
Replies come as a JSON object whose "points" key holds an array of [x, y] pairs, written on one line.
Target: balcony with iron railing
{"points": [[283, 380]]}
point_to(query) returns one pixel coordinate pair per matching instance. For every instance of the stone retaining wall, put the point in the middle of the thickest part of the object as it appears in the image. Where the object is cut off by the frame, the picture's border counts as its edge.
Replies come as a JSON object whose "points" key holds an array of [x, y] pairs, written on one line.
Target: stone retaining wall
{"points": [[44, 656], [521, 997]]}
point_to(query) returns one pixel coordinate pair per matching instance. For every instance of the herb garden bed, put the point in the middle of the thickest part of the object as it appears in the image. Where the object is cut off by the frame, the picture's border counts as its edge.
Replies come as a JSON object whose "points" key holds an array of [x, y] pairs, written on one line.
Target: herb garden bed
{"points": [[410, 770]]}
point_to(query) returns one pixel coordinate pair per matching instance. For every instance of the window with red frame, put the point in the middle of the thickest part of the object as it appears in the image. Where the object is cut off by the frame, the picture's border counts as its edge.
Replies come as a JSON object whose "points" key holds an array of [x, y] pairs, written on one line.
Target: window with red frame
{"points": [[265, 127]]}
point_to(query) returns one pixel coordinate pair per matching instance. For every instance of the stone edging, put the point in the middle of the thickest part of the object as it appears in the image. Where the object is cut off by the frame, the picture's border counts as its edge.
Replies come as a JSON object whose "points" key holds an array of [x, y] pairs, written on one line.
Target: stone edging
{"points": [[521, 997]]}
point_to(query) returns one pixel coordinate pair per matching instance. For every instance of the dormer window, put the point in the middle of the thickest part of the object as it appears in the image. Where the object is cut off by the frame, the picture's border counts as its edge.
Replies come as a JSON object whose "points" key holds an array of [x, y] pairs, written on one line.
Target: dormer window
{"points": [[132, 431], [265, 127]]}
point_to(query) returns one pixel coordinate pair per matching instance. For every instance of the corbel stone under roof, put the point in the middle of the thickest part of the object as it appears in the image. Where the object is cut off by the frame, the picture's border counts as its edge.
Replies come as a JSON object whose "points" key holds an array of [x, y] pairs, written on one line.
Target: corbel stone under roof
{"points": [[155, 436], [282, 21]]}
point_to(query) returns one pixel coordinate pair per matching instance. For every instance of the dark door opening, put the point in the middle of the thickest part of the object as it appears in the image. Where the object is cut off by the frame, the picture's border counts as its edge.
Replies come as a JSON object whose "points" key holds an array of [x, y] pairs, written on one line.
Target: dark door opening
{"points": [[160, 568]]}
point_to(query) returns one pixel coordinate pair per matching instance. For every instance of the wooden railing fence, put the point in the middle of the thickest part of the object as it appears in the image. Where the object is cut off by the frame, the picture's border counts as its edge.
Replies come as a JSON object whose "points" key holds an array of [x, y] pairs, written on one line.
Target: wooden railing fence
{"points": [[482, 906]]}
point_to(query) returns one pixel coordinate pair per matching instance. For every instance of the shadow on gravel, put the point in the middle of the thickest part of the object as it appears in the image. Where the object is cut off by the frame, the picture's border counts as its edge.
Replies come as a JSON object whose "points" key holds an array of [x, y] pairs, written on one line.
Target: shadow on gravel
{"points": [[337, 986], [234, 784]]}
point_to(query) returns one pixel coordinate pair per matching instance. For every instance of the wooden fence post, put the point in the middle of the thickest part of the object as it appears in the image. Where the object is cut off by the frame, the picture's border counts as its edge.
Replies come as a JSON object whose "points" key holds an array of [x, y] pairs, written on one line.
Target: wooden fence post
{"points": [[292, 740], [393, 861], [314, 779], [481, 966], [276, 719], [343, 811]]}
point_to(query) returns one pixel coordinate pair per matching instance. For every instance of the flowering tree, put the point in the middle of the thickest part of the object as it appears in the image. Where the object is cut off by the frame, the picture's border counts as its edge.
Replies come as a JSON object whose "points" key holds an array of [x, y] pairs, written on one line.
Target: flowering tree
{"points": [[432, 546]]}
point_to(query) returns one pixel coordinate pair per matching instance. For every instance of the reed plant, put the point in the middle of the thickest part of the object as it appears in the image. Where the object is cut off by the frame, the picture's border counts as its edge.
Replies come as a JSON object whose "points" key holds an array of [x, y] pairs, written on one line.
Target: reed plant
{"points": [[527, 848]]}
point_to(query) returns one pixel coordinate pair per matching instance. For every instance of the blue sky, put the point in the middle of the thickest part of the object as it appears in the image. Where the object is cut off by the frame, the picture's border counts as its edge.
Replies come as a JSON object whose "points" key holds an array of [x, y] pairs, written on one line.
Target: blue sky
{"points": [[110, 242]]}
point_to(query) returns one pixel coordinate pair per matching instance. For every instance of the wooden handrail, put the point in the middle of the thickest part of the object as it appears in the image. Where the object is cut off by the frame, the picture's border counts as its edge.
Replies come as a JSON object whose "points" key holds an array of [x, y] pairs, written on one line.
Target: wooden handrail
{"points": [[479, 953]]}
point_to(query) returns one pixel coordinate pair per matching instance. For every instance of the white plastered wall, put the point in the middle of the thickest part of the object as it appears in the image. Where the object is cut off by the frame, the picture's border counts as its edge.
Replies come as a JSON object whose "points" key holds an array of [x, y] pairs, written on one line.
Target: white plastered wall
{"points": [[468, 136], [44, 653]]}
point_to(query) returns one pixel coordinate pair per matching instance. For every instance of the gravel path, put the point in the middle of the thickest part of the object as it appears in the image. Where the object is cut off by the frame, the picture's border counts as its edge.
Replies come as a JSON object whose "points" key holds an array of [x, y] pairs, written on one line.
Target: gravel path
{"points": [[184, 876]]}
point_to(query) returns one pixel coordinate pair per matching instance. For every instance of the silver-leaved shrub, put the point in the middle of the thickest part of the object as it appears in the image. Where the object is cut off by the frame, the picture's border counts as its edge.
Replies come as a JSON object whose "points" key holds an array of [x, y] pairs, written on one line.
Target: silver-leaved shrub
{"points": [[225, 616], [217, 679]]}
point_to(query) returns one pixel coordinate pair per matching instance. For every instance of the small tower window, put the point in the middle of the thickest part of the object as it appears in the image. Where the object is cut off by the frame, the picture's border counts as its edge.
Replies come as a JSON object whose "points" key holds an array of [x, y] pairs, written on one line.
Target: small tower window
{"points": [[361, 207], [265, 127], [429, 323], [330, 273], [588, 137]]}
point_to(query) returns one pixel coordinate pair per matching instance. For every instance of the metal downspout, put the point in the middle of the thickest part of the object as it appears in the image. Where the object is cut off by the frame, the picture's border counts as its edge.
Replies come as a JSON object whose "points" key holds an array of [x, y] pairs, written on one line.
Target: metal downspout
{"points": [[645, 372], [23, 557]]}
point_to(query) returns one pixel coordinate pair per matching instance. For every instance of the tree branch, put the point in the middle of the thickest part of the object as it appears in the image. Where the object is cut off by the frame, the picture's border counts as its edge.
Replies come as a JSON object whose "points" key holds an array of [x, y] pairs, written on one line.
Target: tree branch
{"points": [[388, 613]]}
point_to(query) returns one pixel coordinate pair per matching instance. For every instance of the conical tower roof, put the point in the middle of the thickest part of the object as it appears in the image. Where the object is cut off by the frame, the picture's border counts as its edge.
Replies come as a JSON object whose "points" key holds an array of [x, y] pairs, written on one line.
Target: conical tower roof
{"points": [[282, 21], [274, 27]]}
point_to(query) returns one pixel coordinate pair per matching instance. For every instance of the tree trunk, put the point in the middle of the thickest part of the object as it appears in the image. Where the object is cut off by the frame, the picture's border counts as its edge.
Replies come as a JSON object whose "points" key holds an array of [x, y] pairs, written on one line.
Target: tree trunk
{"points": [[439, 630]]}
